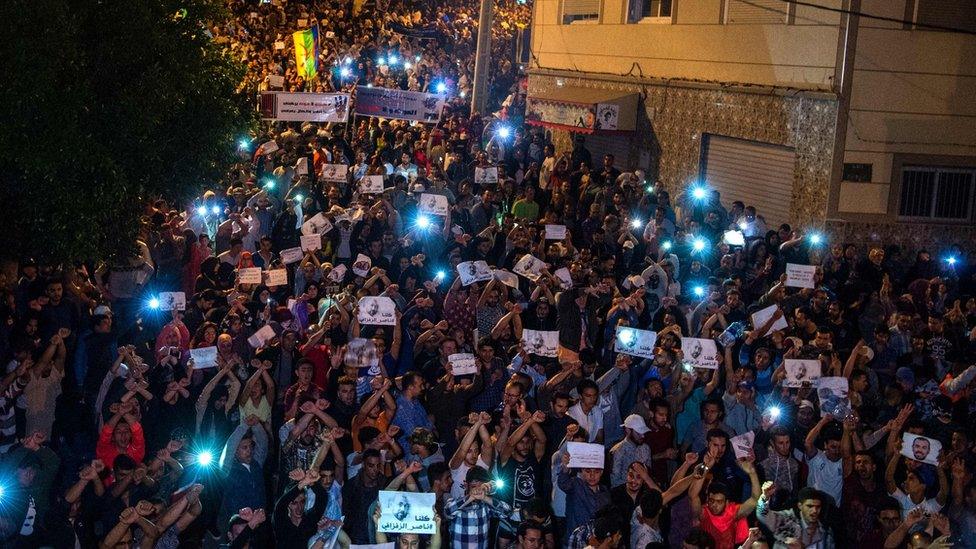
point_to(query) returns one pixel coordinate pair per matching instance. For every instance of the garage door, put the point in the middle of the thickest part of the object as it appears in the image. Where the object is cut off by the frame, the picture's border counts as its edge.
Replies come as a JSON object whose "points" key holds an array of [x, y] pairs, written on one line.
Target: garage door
{"points": [[616, 144], [758, 174]]}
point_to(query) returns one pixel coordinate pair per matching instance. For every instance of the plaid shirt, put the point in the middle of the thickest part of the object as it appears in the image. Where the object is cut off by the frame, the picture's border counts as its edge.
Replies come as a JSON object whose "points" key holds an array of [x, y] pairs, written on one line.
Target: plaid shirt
{"points": [[469, 523]]}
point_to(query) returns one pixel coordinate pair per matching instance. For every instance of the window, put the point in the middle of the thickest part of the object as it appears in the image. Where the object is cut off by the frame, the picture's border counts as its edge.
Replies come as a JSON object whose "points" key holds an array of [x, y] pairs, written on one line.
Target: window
{"points": [[649, 9], [940, 194], [580, 10], [959, 14], [757, 12]]}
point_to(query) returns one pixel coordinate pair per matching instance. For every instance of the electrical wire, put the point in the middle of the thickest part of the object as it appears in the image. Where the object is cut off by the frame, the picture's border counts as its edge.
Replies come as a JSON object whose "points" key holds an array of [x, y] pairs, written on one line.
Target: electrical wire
{"points": [[877, 17]]}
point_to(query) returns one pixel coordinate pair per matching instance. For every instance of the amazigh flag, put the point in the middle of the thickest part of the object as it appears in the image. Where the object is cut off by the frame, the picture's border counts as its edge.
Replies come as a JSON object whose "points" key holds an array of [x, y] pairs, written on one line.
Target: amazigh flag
{"points": [[307, 52]]}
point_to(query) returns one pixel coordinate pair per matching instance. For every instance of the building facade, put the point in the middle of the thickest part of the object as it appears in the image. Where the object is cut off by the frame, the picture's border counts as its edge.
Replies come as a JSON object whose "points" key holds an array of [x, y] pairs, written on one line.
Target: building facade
{"points": [[858, 116]]}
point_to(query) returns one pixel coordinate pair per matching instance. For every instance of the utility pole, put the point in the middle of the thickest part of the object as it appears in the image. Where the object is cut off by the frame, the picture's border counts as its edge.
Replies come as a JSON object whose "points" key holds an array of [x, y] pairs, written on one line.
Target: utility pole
{"points": [[482, 60]]}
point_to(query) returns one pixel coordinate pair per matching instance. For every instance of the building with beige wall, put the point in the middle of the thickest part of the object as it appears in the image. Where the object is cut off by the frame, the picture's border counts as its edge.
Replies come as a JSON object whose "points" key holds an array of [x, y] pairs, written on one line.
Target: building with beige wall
{"points": [[816, 115]]}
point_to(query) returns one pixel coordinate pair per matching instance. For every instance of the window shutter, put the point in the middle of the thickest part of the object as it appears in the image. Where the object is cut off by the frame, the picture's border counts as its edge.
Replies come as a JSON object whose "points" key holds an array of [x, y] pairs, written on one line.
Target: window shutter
{"points": [[959, 14], [757, 12]]}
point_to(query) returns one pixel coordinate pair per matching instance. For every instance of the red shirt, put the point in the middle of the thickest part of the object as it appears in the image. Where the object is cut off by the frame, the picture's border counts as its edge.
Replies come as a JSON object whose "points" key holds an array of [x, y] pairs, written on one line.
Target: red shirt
{"points": [[321, 357], [106, 450], [725, 529]]}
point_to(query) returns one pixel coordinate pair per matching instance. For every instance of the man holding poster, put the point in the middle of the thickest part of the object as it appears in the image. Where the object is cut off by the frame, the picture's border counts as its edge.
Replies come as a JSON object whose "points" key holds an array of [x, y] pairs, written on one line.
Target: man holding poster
{"points": [[470, 516]]}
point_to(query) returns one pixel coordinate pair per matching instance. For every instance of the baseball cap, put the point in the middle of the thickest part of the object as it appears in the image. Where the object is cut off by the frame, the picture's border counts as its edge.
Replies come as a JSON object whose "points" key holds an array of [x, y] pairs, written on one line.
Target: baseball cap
{"points": [[806, 404], [636, 423], [746, 385]]}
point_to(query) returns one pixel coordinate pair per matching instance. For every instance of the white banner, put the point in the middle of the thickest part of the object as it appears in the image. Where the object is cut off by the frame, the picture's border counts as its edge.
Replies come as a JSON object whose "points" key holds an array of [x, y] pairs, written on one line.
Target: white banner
{"points": [[262, 336], [377, 310], [407, 512], [204, 357], [700, 353], [506, 278], [172, 300], [921, 448], [463, 364], [400, 104], [634, 342], [371, 184], [334, 173], [317, 224], [529, 266], [362, 265], [301, 167], [311, 242], [583, 455], [832, 392], [300, 107], [435, 204], [800, 276], [799, 372], [762, 317], [250, 275], [473, 271], [276, 277], [555, 232], [292, 255], [542, 343], [565, 278], [742, 444], [486, 176]]}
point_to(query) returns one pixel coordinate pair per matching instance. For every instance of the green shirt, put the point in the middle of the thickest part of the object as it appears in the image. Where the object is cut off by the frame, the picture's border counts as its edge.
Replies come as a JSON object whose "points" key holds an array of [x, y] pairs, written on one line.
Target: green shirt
{"points": [[524, 209]]}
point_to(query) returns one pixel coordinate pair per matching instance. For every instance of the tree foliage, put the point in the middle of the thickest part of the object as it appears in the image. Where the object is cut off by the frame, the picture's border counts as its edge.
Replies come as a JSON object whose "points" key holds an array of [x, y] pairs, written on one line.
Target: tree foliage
{"points": [[106, 104]]}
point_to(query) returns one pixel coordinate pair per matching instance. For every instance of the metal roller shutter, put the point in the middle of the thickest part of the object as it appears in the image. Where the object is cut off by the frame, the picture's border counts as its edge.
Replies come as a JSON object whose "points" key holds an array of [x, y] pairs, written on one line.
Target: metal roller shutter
{"points": [[947, 13], [758, 174], [574, 10], [757, 12], [617, 145]]}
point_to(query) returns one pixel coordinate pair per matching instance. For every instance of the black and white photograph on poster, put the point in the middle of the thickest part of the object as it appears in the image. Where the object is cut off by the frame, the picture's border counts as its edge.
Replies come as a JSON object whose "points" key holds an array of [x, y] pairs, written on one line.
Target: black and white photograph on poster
{"points": [[334, 173], [921, 448], [541, 343], [407, 512], [204, 357], [800, 372], [486, 176], [506, 278], [377, 310], [311, 242], [473, 271], [565, 278], [742, 444], [607, 115], [371, 184], [529, 266], [700, 353], [362, 265], [318, 224], [463, 364], [361, 354], [832, 392], [172, 300], [435, 204], [259, 338], [634, 342], [337, 273]]}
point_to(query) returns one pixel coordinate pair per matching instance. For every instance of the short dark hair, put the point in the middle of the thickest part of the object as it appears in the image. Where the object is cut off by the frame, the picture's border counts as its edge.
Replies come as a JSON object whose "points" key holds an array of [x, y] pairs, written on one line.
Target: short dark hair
{"points": [[123, 463], [367, 434], [720, 488], [651, 504], [524, 528], [436, 470], [371, 452], [700, 539], [587, 384], [808, 493]]}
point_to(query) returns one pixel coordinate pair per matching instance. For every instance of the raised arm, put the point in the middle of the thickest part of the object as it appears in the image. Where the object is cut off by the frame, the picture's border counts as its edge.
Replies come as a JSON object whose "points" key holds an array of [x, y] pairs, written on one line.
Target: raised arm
{"points": [[810, 443]]}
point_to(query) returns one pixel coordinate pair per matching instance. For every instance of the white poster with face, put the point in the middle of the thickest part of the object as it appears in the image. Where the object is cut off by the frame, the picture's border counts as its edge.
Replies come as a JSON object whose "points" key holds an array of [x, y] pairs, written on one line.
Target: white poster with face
{"points": [[463, 364], [565, 278], [583, 455], [371, 184], [317, 224], [261, 337], [407, 512], [311, 242], [921, 448], [506, 278], [634, 342], [301, 167], [800, 276], [529, 266], [486, 176], [276, 277], [700, 353], [832, 392], [250, 275], [292, 255], [204, 357], [172, 300], [337, 273], [334, 173], [800, 372], [362, 265], [542, 343], [742, 444], [268, 147], [761, 317], [435, 204], [377, 310], [555, 232], [473, 271]]}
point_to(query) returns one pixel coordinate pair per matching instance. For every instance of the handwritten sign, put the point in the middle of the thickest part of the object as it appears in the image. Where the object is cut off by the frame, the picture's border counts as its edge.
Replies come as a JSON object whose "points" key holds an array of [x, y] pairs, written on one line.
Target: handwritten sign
{"points": [[473, 271], [463, 364], [362, 265], [407, 512], [292, 255], [204, 357], [250, 275], [261, 337], [799, 372], [761, 317], [583, 455], [921, 448], [800, 276], [378, 310], [529, 266], [172, 300], [634, 342], [335, 173], [435, 204], [486, 176], [542, 343], [317, 224], [371, 184], [311, 242], [742, 444], [276, 277], [276, 81], [700, 353], [555, 232]]}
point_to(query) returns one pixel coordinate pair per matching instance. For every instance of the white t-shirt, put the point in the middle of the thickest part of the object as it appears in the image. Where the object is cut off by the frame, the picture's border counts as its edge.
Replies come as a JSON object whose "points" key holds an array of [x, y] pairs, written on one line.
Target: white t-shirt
{"points": [[930, 505], [826, 476], [592, 422], [458, 475]]}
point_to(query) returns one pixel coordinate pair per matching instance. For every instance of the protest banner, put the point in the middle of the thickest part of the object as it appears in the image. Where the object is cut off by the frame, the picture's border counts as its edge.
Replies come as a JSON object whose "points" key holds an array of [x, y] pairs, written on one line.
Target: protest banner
{"points": [[555, 232], [700, 353], [276, 277], [399, 104], [371, 184], [250, 275], [832, 392], [317, 224], [377, 310], [539, 342], [800, 371], [261, 337], [506, 278], [292, 255], [301, 107], [463, 364], [634, 342], [407, 512], [362, 265], [172, 300], [435, 204], [486, 176], [742, 444], [583, 455], [311, 242], [761, 317], [473, 271], [529, 266], [565, 278], [335, 173], [800, 276], [921, 448], [204, 357]]}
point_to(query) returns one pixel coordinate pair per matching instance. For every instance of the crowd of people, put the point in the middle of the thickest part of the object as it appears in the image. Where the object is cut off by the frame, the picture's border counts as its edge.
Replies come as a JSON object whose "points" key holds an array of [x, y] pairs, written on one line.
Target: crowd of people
{"points": [[544, 341]]}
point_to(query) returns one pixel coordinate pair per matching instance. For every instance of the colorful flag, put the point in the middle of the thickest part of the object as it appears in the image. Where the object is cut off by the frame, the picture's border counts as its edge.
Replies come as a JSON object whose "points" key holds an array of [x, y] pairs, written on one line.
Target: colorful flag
{"points": [[307, 52]]}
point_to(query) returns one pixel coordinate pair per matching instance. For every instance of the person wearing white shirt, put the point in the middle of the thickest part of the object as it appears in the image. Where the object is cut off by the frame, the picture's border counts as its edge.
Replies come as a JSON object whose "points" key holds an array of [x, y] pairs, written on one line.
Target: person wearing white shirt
{"points": [[826, 467], [911, 494], [586, 412], [475, 449]]}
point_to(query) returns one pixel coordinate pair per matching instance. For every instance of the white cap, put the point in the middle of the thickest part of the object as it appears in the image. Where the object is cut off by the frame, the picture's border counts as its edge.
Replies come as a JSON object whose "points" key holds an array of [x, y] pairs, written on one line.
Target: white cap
{"points": [[636, 423]]}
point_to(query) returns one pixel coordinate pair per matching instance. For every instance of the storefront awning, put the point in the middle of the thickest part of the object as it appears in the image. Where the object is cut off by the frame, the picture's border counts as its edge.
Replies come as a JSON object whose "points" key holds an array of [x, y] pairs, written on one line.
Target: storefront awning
{"points": [[583, 110]]}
